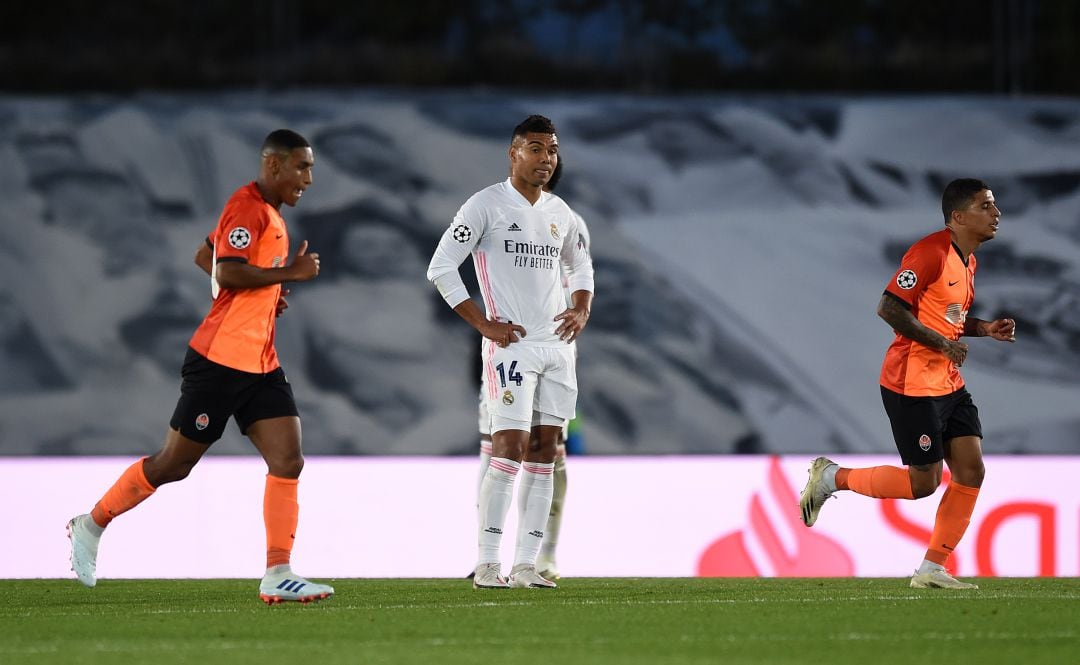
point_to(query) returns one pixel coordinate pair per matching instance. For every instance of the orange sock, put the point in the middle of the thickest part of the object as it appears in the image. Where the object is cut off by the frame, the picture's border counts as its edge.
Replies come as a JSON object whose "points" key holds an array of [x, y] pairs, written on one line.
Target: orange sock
{"points": [[280, 513], [129, 490], [953, 516], [880, 482]]}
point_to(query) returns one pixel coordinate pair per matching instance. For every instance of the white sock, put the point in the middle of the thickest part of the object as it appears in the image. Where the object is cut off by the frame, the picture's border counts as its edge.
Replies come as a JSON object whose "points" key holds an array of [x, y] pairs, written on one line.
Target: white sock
{"points": [[496, 492], [829, 476], [281, 569], [485, 458], [930, 566], [524, 487], [554, 521], [534, 503]]}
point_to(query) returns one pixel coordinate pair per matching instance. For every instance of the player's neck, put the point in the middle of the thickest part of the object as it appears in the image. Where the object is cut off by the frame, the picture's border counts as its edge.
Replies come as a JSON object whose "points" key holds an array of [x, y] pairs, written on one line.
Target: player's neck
{"points": [[267, 194], [967, 246], [529, 191]]}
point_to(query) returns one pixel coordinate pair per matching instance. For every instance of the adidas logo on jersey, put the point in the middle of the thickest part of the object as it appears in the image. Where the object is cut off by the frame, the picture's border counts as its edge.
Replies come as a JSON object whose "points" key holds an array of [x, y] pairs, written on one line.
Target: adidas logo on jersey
{"points": [[513, 227]]}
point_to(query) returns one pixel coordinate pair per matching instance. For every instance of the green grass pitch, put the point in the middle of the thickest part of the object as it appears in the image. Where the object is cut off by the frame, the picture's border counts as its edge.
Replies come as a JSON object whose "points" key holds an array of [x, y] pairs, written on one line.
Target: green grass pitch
{"points": [[617, 621]]}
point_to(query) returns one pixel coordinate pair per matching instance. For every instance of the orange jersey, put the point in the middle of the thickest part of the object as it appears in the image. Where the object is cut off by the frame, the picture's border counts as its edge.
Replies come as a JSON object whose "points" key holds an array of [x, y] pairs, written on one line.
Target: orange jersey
{"points": [[938, 287], [239, 330]]}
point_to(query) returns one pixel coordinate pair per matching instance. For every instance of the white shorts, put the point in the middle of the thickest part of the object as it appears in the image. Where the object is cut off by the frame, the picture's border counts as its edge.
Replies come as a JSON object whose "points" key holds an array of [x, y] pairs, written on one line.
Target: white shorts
{"points": [[528, 385], [484, 420]]}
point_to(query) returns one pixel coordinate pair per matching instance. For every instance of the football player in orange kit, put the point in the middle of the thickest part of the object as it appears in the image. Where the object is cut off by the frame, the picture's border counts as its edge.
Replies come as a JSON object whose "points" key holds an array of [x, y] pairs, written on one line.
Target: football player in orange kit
{"points": [[932, 414], [232, 369]]}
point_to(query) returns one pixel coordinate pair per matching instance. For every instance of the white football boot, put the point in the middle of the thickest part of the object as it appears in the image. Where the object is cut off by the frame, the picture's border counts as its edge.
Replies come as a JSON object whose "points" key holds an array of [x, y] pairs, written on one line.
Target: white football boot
{"points": [[938, 578], [524, 576], [547, 568], [282, 585], [816, 491], [487, 576], [84, 547]]}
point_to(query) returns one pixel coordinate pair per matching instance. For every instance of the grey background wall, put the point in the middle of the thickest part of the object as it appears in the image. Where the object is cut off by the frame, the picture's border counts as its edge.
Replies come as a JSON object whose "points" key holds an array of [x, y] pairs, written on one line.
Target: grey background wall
{"points": [[741, 245]]}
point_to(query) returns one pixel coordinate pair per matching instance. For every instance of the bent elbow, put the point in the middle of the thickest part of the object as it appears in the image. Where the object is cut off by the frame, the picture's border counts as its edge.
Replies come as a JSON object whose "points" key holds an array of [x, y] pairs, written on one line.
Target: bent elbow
{"points": [[225, 277], [886, 311]]}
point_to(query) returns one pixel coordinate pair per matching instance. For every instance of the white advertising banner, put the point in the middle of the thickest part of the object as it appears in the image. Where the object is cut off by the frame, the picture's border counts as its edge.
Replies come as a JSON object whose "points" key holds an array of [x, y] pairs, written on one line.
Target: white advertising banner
{"points": [[624, 517]]}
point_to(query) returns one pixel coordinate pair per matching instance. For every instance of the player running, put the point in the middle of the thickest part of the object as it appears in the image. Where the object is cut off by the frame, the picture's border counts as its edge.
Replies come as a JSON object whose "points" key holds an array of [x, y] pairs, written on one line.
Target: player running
{"points": [[232, 369], [932, 414]]}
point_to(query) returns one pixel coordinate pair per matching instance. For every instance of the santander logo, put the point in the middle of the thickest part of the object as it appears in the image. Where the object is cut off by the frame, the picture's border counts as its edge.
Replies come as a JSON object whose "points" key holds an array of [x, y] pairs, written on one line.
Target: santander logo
{"points": [[775, 543]]}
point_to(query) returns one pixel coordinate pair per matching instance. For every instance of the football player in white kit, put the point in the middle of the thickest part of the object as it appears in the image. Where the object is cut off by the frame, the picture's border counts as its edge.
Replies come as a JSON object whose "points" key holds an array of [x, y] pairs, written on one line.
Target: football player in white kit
{"points": [[522, 239], [545, 562]]}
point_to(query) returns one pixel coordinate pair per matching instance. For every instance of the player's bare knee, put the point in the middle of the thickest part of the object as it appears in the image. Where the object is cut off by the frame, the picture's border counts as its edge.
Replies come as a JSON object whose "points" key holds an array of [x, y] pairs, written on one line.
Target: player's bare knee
{"points": [[286, 466], [535, 445], [549, 451], [920, 490], [161, 470], [971, 475], [511, 439], [925, 479], [978, 476]]}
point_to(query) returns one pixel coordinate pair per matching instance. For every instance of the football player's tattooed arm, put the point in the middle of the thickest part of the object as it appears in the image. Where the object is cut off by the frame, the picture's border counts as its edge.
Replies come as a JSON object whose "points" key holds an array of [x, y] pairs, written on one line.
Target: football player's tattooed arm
{"points": [[892, 310]]}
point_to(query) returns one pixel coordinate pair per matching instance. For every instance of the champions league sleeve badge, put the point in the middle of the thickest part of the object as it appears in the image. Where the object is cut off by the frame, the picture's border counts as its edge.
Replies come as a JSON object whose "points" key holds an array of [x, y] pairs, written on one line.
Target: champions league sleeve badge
{"points": [[462, 233], [239, 238]]}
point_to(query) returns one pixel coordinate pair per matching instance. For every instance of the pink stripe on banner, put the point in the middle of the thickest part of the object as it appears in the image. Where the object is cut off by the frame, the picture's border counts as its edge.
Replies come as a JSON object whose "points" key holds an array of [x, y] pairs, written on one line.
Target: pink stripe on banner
{"points": [[541, 469], [504, 467]]}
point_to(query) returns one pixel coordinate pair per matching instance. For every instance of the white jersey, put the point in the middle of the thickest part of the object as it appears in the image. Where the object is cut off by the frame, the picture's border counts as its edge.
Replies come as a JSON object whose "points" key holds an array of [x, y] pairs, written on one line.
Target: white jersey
{"points": [[519, 252], [584, 243]]}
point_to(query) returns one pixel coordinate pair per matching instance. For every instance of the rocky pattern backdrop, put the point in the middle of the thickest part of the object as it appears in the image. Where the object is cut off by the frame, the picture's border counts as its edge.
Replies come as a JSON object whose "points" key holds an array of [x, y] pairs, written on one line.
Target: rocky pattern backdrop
{"points": [[741, 246]]}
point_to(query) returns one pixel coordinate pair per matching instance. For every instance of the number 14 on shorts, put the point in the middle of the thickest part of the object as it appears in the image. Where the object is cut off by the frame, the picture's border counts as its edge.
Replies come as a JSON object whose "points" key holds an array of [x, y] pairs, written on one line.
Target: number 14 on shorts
{"points": [[513, 375]]}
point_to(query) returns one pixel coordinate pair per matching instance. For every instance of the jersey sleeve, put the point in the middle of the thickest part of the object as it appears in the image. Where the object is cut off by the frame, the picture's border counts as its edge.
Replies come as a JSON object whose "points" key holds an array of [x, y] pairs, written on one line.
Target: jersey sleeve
{"points": [[576, 256], [237, 232], [920, 267], [456, 243]]}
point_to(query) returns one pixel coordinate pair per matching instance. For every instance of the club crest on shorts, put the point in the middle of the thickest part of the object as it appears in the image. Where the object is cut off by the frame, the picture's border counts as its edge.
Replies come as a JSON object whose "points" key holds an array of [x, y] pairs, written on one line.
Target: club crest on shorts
{"points": [[462, 233], [554, 232], [202, 421], [907, 279], [508, 398], [239, 237], [924, 443]]}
